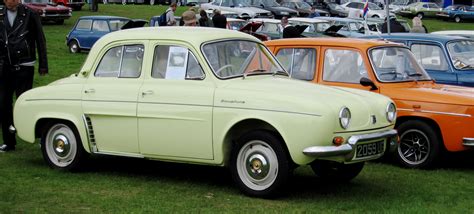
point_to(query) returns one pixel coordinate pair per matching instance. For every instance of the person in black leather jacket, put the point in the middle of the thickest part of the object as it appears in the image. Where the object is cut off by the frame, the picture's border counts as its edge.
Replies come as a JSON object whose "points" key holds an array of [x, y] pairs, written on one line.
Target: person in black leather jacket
{"points": [[21, 35]]}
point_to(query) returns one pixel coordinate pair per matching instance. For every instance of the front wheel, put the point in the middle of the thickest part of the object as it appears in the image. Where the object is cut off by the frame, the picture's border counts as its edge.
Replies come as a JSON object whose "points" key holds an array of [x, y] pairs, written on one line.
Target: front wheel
{"points": [[74, 47], [457, 19], [334, 171], [62, 147], [259, 164], [419, 145]]}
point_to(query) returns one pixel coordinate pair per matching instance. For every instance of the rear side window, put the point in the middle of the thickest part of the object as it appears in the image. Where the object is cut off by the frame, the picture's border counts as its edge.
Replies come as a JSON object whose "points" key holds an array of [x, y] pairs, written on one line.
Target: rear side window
{"points": [[122, 61], [345, 66], [299, 62], [100, 25], [84, 24]]}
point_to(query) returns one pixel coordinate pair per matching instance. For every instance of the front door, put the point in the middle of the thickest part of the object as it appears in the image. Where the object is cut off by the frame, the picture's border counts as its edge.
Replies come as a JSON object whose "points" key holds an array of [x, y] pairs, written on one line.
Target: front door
{"points": [[110, 100], [175, 106]]}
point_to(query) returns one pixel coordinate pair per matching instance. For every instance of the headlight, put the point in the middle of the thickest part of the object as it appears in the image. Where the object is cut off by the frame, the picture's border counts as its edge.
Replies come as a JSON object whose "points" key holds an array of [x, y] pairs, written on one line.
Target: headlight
{"points": [[344, 117], [391, 112]]}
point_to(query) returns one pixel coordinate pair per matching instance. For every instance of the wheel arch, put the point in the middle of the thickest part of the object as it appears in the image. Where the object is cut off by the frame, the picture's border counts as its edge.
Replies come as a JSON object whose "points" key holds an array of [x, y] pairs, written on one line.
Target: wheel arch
{"points": [[44, 123], [432, 123], [74, 39]]}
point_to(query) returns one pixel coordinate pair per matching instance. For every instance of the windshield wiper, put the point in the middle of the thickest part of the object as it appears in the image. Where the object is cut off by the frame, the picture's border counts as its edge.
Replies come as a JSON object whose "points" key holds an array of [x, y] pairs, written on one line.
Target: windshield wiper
{"points": [[252, 72], [280, 72]]}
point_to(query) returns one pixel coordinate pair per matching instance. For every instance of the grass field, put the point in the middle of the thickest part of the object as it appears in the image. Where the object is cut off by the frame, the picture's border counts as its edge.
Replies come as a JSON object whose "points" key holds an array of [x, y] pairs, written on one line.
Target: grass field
{"points": [[125, 185]]}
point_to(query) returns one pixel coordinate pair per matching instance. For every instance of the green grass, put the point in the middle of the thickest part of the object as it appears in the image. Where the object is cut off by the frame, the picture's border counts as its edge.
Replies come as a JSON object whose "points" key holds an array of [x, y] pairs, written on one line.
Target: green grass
{"points": [[125, 185]]}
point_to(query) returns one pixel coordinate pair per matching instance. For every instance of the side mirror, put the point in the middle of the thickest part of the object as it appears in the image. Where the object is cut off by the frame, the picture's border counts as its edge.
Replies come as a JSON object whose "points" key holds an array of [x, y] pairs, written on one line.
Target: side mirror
{"points": [[367, 82]]}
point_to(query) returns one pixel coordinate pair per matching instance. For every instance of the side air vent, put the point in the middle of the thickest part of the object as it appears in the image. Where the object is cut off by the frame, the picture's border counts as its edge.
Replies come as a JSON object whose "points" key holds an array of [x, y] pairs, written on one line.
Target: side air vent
{"points": [[90, 133]]}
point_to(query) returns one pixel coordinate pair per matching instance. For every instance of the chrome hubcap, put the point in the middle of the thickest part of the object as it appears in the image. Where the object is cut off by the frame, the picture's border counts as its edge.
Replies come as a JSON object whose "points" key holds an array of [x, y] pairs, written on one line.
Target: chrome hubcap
{"points": [[414, 147], [74, 48], [257, 165], [61, 145]]}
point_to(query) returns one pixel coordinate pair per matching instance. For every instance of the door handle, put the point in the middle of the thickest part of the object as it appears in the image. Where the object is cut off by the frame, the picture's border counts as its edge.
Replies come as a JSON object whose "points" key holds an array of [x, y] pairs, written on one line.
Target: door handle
{"points": [[149, 92], [88, 91]]}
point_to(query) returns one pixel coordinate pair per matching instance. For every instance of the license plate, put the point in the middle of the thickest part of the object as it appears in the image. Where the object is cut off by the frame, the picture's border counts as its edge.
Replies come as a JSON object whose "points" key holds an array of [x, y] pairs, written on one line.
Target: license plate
{"points": [[369, 149]]}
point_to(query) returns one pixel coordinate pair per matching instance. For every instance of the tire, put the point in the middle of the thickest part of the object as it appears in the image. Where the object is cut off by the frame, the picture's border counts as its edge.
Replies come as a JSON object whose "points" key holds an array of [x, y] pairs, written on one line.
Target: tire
{"points": [[419, 145], [334, 171], [457, 19], [420, 15], [259, 164], [62, 148], [74, 47]]}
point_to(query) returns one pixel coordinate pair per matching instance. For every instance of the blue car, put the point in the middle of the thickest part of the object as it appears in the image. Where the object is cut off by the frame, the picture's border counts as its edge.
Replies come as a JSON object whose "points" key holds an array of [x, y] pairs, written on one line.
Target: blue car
{"points": [[89, 29], [457, 13], [448, 59]]}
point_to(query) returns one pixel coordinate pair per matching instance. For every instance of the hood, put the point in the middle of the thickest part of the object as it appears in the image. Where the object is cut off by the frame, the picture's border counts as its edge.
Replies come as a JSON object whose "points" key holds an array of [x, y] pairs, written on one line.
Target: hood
{"points": [[333, 31], [277, 93], [433, 93], [281, 9]]}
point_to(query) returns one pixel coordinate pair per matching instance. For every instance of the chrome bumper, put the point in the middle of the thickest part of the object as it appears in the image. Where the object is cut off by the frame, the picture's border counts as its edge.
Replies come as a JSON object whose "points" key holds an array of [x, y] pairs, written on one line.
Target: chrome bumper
{"points": [[348, 150], [469, 142]]}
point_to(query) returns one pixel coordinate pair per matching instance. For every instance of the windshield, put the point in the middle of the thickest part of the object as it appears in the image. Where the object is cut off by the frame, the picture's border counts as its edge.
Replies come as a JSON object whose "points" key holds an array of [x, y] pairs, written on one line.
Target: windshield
{"points": [[462, 54], [396, 64], [235, 58], [373, 6], [303, 5]]}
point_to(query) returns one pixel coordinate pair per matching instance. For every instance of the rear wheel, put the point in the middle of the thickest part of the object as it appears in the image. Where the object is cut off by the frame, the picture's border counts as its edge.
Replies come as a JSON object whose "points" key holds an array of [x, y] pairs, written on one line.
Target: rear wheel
{"points": [[74, 47], [259, 164], [334, 171], [62, 148], [419, 145]]}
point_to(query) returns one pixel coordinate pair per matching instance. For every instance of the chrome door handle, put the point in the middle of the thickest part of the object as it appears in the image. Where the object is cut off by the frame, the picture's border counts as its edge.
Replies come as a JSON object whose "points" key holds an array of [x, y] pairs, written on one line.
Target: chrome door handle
{"points": [[88, 91], [149, 92]]}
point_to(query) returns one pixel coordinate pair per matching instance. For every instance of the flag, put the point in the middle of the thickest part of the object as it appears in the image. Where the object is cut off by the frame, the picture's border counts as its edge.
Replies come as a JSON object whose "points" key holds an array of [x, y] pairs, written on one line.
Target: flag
{"points": [[365, 10]]}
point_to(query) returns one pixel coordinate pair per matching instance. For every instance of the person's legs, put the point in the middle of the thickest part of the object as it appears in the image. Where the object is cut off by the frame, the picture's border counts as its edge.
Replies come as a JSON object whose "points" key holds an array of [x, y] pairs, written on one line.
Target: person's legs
{"points": [[7, 86]]}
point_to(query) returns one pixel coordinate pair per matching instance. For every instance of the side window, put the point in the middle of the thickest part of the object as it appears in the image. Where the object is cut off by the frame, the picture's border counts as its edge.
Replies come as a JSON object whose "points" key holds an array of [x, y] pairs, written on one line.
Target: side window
{"points": [[343, 66], [352, 5], [123, 61], [84, 25], [431, 57], [100, 25], [299, 62], [174, 62], [425, 6]]}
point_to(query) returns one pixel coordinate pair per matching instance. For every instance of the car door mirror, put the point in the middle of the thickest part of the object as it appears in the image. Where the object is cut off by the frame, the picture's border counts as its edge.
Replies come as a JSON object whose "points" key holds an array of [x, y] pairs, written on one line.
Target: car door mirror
{"points": [[364, 81]]}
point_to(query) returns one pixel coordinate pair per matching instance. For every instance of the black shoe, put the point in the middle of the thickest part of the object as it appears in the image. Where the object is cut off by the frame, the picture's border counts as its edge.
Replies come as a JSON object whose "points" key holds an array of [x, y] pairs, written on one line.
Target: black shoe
{"points": [[6, 148]]}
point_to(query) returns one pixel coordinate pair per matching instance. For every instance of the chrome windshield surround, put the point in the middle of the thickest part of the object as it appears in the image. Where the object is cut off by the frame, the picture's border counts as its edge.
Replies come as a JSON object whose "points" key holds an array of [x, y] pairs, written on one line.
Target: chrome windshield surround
{"points": [[348, 150], [469, 142], [436, 112]]}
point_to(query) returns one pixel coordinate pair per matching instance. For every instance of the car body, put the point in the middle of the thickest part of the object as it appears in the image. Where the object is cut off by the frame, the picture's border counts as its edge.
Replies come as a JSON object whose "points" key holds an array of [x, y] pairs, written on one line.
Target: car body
{"points": [[398, 5], [303, 8], [316, 27], [240, 7], [158, 93], [457, 13], [74, 4], [375, 24], [277, 10], [462, 33], [336, 9], [447, 59], [374, 11], [49, 12], [89, 29], [350, 27], [269, 27], [421, 9], [431, 117], [227, 14]]}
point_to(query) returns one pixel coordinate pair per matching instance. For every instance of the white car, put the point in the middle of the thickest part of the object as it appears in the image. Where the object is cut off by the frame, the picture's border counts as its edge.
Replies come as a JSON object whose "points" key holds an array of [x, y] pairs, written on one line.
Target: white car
{"points": [[244, 10], [357, 8]]}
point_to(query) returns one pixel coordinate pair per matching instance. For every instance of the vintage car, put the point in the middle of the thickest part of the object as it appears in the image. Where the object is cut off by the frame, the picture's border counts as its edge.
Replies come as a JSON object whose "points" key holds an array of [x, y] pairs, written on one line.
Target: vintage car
{"points": [[421, 9], [74, 4], [351, 27], [270, 27], [374, 10], [457, 13], [398, 5], [277, 10], [461, 33], [161, 94], [447, 59], [49, 12], [316, 27], [303, 8], [431, 117], [89, 29], [240, 7]]}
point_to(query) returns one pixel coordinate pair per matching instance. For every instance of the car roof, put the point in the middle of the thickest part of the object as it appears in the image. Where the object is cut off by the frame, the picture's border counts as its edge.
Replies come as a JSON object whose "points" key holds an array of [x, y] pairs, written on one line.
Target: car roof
{"points": [[419, 36], [309, 20], [342, 42], [102, 17], [336, 19], [175, 33]]}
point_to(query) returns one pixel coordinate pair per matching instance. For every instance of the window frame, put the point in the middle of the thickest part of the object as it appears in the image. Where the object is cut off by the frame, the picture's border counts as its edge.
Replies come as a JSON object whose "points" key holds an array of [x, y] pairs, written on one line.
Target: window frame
{"points": [[190, 52], [107, 49]]}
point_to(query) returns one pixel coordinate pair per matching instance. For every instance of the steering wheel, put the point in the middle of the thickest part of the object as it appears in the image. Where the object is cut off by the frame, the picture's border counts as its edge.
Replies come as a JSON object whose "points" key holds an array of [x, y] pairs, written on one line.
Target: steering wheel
{"points": [[223, 67]]}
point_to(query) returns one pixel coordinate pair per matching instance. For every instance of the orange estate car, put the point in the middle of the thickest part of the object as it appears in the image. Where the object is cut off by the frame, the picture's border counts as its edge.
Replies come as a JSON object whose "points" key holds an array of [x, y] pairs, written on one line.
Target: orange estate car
{"points": [[432, 118]]}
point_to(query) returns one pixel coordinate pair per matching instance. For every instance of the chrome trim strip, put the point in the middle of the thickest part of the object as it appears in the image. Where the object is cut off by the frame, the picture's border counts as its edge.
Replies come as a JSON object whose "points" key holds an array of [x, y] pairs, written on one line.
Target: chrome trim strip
{"points": [[468, 142], [348, 150], [436, 112], [123, 154], [256, 109]]}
